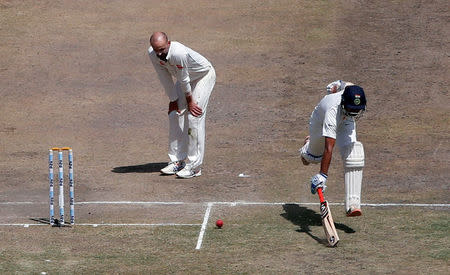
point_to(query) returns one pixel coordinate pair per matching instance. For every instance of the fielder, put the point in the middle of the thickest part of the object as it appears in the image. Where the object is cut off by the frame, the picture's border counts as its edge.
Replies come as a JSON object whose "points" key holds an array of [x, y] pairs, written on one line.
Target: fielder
{"points": [[189, 95], [333, 123]]}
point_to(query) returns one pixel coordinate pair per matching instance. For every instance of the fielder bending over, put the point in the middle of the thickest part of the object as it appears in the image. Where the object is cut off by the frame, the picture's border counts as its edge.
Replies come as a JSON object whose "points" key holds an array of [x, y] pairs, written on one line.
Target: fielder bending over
{"points": [[333, 123], [195, 78]]}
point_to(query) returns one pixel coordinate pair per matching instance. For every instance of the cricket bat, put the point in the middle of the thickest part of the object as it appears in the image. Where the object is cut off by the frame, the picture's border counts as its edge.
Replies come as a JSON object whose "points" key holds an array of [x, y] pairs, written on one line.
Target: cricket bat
{"points": [[327, 220]]}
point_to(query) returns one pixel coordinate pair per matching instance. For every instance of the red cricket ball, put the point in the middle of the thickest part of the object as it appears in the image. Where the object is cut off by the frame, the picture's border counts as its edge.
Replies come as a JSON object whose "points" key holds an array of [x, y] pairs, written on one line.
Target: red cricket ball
{"points": [[219, 223]]}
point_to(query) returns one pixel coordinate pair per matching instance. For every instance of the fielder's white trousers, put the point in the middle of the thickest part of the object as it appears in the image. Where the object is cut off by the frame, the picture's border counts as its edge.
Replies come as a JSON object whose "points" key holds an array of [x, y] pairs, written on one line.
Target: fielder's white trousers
{"points": [[187, 133]]}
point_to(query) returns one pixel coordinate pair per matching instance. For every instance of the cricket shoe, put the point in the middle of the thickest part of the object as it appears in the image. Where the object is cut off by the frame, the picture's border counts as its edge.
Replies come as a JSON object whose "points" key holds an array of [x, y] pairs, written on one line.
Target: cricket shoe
{"points": [[173, 167], [188, 173], [354, 212]]}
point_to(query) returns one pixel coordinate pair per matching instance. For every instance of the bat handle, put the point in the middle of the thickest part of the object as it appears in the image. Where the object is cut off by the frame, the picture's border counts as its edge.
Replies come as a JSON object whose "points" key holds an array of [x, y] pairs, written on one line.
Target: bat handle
{"points": [[319, 191]]}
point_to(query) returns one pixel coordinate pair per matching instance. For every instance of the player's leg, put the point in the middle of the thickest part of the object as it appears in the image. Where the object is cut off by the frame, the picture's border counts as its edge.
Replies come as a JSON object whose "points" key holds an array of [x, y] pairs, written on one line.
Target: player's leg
{"points": [[178, 136], [352, 153], [353, 173], [196, 149], [313, 147], [304, 149]]}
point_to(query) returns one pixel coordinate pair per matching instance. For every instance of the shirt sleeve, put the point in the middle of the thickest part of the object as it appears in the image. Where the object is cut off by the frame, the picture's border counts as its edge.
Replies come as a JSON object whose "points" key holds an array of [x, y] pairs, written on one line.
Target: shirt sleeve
{"points": [[165, 78], [182, 71], [329, 126]]}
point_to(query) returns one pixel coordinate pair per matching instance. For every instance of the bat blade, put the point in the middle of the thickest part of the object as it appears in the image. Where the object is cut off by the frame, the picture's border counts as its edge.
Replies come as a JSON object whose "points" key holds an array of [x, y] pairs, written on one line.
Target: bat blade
{"points": [[328, 224], [327, 221]]}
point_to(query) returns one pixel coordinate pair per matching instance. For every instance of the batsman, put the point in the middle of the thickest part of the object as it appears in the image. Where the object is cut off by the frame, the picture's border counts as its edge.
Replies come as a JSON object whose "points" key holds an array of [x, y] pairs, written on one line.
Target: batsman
{"points": [[333, 122]]}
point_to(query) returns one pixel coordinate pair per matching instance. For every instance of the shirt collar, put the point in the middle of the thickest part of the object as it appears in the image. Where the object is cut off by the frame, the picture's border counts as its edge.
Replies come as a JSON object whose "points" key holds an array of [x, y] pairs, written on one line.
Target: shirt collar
{"points": [[169, 53]]}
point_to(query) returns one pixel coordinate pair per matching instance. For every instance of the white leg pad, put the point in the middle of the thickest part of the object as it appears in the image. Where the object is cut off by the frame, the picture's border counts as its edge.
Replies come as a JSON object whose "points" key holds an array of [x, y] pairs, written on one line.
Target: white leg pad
{"points": [[353, 157]]}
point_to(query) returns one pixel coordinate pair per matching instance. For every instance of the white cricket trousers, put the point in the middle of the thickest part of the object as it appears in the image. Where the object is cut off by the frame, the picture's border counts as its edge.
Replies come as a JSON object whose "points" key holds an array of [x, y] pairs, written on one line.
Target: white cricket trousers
{"points": [[187, 133]]}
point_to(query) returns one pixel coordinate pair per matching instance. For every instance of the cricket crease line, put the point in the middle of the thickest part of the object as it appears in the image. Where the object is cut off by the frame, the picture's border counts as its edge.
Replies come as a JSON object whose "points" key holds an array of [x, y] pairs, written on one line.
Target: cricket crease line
{"points": [[135, 202], [21, 202], [104, 224], [23, 224], [234, 203], [137, 224], [205, 222], [407, 204]]}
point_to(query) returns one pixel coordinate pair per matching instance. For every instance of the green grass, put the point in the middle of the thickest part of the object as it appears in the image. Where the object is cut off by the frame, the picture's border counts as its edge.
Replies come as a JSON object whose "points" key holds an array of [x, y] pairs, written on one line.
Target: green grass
{"points": [[254, 239]]}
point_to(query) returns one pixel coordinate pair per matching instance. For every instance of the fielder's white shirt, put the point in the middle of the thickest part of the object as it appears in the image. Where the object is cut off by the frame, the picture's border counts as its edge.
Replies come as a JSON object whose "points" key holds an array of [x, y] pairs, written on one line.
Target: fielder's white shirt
{"points": [[183, 63]]}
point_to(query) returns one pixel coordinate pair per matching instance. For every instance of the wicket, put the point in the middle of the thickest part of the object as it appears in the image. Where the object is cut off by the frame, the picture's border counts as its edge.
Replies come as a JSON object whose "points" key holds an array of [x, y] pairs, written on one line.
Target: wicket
{"points": [[61, 185]]}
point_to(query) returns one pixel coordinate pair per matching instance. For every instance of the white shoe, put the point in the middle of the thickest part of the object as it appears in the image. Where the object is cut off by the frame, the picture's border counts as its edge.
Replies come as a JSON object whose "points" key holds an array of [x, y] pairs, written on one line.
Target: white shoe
{"points": [[187, 173], [173, 167]]}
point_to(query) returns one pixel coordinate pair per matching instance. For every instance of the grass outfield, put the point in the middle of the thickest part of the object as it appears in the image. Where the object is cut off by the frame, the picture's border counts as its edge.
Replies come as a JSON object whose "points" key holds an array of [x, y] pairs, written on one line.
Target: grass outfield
{"points": [[283, 239]]}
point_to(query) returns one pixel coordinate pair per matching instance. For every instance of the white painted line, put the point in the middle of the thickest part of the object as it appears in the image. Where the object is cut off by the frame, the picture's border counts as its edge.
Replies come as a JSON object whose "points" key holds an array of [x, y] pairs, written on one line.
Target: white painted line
{"points": [[407, 204], [23, 224], [205, 222], [136, 224], [21, 202], [234, 203], [336, 203], [103, 224], [261, 203], [134, 202]]}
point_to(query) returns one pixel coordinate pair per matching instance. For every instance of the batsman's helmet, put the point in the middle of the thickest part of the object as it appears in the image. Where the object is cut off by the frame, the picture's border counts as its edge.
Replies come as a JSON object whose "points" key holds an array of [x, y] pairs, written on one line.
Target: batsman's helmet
{"points": [[353, 100]]}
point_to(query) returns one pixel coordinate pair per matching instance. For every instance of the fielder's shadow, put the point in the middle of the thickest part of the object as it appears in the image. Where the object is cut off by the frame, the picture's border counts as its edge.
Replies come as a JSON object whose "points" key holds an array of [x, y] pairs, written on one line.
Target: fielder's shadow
{"points": [[305, 218], [143, 168], [41, 220]]}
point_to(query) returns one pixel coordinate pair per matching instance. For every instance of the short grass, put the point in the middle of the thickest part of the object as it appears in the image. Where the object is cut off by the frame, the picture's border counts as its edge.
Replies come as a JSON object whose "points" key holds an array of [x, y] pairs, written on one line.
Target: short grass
{"points": [[284, 239]]}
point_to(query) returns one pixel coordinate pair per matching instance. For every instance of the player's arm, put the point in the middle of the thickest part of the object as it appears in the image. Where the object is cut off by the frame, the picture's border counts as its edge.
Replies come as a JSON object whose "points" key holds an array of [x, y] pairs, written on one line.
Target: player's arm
{"points": [[185, 81], [165, 78], [179, 59], [329, 133], [327, 155], [319, 180]]}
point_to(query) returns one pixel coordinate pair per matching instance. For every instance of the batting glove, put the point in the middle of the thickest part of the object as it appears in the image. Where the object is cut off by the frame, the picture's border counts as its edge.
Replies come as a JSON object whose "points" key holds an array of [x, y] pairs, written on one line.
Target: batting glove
{"points": [[318, 181], [337, 83]]}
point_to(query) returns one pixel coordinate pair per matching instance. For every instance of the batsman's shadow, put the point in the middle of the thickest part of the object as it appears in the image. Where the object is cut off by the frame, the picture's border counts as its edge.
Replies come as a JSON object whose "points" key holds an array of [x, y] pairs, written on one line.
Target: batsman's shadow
{"points": [[141, 168], [305, 218]]}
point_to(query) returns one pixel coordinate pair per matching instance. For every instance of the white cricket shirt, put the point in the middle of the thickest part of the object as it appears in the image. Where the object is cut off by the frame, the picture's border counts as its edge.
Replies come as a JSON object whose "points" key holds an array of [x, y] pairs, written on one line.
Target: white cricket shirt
{"points": [[328, 120], [183, 63], [318, 114]]}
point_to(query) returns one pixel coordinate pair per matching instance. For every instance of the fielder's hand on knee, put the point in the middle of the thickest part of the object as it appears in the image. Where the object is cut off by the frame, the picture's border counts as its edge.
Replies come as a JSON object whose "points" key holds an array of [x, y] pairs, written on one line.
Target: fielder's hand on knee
{"points": [[195, 109], [318, 181], [173, 106], [192, 106]]}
